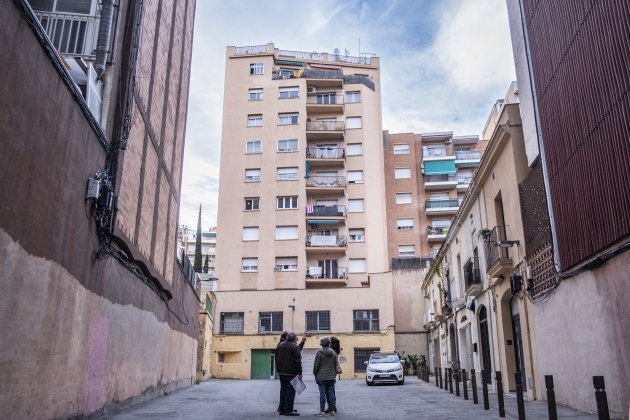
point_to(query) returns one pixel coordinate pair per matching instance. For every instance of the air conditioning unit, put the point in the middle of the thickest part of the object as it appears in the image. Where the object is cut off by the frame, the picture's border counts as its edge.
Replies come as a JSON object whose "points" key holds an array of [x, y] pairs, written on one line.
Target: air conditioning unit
{"points": [[311, 89], [425, 293], [312, 227]]}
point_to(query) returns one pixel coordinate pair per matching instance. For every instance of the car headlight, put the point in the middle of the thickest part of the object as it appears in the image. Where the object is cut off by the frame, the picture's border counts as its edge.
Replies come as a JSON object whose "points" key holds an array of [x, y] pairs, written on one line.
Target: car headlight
{"points": [[398, 368], [370, 369]]}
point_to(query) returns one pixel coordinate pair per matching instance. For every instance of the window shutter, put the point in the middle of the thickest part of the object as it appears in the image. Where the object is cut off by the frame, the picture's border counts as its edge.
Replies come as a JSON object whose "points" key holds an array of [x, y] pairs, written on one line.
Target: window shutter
{"points": [[286, 261], [250, 233], [400, 173], [404, 223], [353, 122], [252, 172], [355, 149], [406, 250], [357, 265], [286, 232], [355, 176], [401, 149], [403, 198], [282, 171], [355, 205]]}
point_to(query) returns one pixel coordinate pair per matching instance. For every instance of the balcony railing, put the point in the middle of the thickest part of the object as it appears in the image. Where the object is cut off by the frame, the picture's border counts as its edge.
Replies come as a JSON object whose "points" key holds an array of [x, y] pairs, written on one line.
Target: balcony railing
{"points": [[472, 274], [494, 252], [71, 33], [323, 152], [326, 181], [429, 153], [325, 126], [437, 230], [325, 99], [301, 54], [253, 178], [349, 59], [439, 178], [315, 240], [468, 155], [464, 180], [437, 204], [322, 74], [253, 49], [326, 211], [326, 273]]}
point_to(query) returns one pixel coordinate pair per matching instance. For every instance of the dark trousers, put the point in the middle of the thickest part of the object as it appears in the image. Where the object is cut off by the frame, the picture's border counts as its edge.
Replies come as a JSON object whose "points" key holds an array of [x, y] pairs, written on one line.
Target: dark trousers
{"points": [[287, 393], [327, 393]]}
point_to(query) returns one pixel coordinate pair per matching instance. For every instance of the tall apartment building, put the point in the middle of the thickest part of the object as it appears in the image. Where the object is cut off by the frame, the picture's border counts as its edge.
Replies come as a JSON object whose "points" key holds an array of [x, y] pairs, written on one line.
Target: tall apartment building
{"points": [[426, 177], [187, 240], [301, 219]]}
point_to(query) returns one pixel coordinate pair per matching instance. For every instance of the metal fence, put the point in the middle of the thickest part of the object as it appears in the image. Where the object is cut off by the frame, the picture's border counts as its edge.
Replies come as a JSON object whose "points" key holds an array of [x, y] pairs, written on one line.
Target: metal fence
{"points": [[325, 99], [472, 274], [437, 230], [467, 155], [493, 251], [439, 178], [324, 152], [325, 126], [349, 59], [315, 240], [326, 210], [326, 181], [436, 204], [301, 54], [253, 49], [326, 273], [71, 33]]}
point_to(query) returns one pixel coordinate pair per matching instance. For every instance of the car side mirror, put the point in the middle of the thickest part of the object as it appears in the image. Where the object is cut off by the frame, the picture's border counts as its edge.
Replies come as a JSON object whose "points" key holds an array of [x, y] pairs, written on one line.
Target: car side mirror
{"points": [[365, 363]]}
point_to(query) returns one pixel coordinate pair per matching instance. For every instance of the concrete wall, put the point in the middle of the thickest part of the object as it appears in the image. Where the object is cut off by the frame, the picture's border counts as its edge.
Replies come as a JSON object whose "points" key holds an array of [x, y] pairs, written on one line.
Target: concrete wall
{"points": [[204, 340]]}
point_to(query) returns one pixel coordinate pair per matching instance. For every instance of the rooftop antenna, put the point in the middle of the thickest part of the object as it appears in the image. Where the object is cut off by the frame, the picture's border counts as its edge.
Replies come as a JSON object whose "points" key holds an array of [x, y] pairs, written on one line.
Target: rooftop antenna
{"points": [[346, 52]]}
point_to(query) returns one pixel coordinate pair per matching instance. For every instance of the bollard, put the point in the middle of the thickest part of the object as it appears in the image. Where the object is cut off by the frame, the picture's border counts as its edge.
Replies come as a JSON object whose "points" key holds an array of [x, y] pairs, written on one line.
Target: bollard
{"points": [[440, 377], [465, 383], [446, 379], [519, 396], [436, 378], [484, 387], [456, 384], [551, 398], [450, 380], [473, 385], [600, 398], [426, 374], [497, 377]]}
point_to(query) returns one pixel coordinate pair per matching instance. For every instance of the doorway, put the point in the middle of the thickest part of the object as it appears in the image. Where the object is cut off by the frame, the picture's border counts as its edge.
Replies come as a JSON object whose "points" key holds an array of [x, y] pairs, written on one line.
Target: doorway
{"points": [[262, 367], [485, 342], [517, 335]]}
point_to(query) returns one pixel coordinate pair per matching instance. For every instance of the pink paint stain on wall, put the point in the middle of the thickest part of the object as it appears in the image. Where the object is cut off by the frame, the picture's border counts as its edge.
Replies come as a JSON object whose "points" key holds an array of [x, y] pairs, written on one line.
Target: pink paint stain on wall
{"points": [[96, 368]]}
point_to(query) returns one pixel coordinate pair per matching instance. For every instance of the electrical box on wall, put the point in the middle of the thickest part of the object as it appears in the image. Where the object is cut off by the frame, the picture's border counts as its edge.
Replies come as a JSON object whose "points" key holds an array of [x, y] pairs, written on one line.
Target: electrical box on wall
{"points": [[94, 186]]}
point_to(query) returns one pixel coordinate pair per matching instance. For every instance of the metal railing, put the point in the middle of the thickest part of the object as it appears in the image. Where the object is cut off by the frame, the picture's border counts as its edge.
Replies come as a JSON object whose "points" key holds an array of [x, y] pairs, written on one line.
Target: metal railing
{"points": [[464, 180], [71, 33], [494, 252], [326, 273], [326, 181], [323, 211], [254, 178], [252, 49], [436, 204], [325, 126], [397, 263], [287, 177], [349, 59], [301, 54], [472, 273], [188, 270], [325, 99], [315, 240], [439, 178], [324, 152], [429, 153], [467, 155], [438, 230]]}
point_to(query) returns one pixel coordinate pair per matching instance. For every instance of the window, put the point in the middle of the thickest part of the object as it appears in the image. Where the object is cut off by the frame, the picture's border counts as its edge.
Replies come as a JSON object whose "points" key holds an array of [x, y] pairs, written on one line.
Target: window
{"points": [[284, 233], [436, 249], [253, 147], [250, 233], [288, 119], [355, 206], [366, 320], [252, 204], [232, 323], [403, 198], [288, 145], [401, 173], [287, 174], [441, 223], [355, 177], [252, 175], [433, 151], [286, 264], [357, 265], [191, 248], [254, 120], [256, 68], [250, 264], [439, 196], [288, 73], [221, 358], [401, 149], [326, 98], [353, 97], [406, 250], [285, 203], [289, 92], [355, 149], [68, 6], [353, 122], [404, 224], [356, 235], [255, 94], [269, 322], [318, 321]]}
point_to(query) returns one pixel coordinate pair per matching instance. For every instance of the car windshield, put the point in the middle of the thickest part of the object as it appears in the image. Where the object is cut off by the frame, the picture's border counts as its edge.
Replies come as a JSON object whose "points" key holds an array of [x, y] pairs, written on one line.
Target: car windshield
{"points": [[384, 358]]}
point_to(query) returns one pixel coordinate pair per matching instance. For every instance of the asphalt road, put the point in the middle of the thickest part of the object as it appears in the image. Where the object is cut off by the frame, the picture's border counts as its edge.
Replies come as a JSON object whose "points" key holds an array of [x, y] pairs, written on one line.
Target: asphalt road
{"points": [[233, 399]]}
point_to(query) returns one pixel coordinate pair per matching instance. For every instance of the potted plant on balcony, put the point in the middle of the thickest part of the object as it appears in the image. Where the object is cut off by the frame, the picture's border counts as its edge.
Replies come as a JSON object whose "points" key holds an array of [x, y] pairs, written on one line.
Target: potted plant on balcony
{"points": [[483, 233]]}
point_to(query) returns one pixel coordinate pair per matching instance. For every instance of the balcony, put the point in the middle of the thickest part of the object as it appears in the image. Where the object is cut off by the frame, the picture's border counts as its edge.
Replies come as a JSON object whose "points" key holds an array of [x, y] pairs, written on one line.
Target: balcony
{"points": [[323, 78], [437, 233], [318, 130], [433, 153], [463, 183], [324, 103], [467, 158], [321, 243], [472, 277], [253, 49], [441, 207], [326, 273], [70, 33], [326, 156], [349, 59], [325, 215], [498, 261], [318, 184], [301, 55], [439, 182]]}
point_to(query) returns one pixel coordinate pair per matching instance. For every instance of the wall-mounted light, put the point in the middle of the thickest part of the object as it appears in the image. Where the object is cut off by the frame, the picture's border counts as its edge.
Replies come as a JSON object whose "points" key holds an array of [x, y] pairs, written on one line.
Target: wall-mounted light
{"points": [[508, 244]]}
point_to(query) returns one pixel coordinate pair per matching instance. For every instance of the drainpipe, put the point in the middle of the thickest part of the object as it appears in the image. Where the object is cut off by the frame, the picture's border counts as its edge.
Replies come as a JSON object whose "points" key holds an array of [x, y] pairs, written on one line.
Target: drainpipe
{"points": [[104, 34]]}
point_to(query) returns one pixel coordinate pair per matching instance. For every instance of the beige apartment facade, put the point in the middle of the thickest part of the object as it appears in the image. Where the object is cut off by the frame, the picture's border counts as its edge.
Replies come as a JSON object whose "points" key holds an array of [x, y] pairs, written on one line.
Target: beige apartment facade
{"points": [[187, 240], [301, 217]]}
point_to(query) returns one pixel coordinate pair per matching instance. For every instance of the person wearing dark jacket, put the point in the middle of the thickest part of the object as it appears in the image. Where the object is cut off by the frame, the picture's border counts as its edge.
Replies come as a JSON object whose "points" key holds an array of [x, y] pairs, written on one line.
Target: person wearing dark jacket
{"points": [[335, 344], [289, 365], [283, 338], [324, 371]]}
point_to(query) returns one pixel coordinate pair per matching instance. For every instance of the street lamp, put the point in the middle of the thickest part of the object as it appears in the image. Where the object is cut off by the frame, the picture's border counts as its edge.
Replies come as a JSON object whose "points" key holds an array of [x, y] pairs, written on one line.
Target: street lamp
{"points": [[508, 244]]}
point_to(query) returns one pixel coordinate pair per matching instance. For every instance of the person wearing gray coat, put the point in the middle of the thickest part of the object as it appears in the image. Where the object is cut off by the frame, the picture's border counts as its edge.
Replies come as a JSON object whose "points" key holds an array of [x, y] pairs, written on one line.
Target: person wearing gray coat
{"points": [[325, 374]]}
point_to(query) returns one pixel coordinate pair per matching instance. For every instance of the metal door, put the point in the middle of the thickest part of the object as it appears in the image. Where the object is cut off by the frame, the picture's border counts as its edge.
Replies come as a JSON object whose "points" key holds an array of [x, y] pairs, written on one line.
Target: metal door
{"points": [[261, 364], [485, 341], [518, 343]]}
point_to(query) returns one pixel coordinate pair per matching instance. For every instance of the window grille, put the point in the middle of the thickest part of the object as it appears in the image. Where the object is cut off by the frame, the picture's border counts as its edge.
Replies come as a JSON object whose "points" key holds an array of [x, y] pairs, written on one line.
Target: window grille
{"points": [[232, 322], [366, 320], [270, 322], [318, 321]]}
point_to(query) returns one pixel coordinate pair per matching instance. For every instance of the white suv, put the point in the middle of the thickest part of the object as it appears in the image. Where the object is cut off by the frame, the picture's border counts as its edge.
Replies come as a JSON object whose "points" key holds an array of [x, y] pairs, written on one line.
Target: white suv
{"points": [[384, 367]]}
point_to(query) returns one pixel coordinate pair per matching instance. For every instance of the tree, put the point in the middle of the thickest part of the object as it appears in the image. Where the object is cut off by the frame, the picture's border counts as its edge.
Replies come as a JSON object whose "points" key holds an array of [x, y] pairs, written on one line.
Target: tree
{"points": [[197, 263], [206, 264]]}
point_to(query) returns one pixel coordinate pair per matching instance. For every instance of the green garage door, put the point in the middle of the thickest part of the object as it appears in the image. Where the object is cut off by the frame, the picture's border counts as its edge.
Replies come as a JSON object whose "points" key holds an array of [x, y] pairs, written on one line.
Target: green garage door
{"points": [[261, 364]]}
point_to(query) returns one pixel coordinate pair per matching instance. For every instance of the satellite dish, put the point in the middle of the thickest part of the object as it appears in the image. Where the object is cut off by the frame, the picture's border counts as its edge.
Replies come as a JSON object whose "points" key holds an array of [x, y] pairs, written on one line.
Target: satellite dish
{"points": [[371, 75], [336, 51]]}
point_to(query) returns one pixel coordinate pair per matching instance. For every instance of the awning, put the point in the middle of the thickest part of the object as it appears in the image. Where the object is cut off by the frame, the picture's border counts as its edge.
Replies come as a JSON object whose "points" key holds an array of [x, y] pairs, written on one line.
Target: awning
{"points": [[439, 167], [289, 63], [323, 222]]}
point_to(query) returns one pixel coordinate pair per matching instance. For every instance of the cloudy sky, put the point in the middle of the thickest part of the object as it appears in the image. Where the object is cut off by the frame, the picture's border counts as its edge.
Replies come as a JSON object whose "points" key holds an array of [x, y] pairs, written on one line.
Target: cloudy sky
{"points": [[443, 64]]}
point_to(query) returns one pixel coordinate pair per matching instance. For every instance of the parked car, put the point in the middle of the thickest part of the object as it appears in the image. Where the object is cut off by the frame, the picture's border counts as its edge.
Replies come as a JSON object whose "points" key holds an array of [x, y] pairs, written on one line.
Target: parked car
{"points": [[384, 367]]}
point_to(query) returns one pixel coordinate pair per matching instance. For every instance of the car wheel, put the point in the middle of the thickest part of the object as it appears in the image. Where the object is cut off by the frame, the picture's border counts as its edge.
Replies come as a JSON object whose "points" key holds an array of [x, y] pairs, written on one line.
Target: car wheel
{"points": [[369, 383], [401, 382]]}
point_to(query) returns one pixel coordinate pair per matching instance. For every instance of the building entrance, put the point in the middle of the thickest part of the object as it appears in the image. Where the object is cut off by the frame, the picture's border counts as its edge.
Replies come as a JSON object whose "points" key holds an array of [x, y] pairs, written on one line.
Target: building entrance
{"points": [[485, 342]]}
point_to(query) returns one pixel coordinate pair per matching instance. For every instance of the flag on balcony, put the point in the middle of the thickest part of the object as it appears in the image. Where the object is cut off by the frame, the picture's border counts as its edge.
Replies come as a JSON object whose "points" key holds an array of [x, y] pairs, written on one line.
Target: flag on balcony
{"points": [[309, 208]]}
